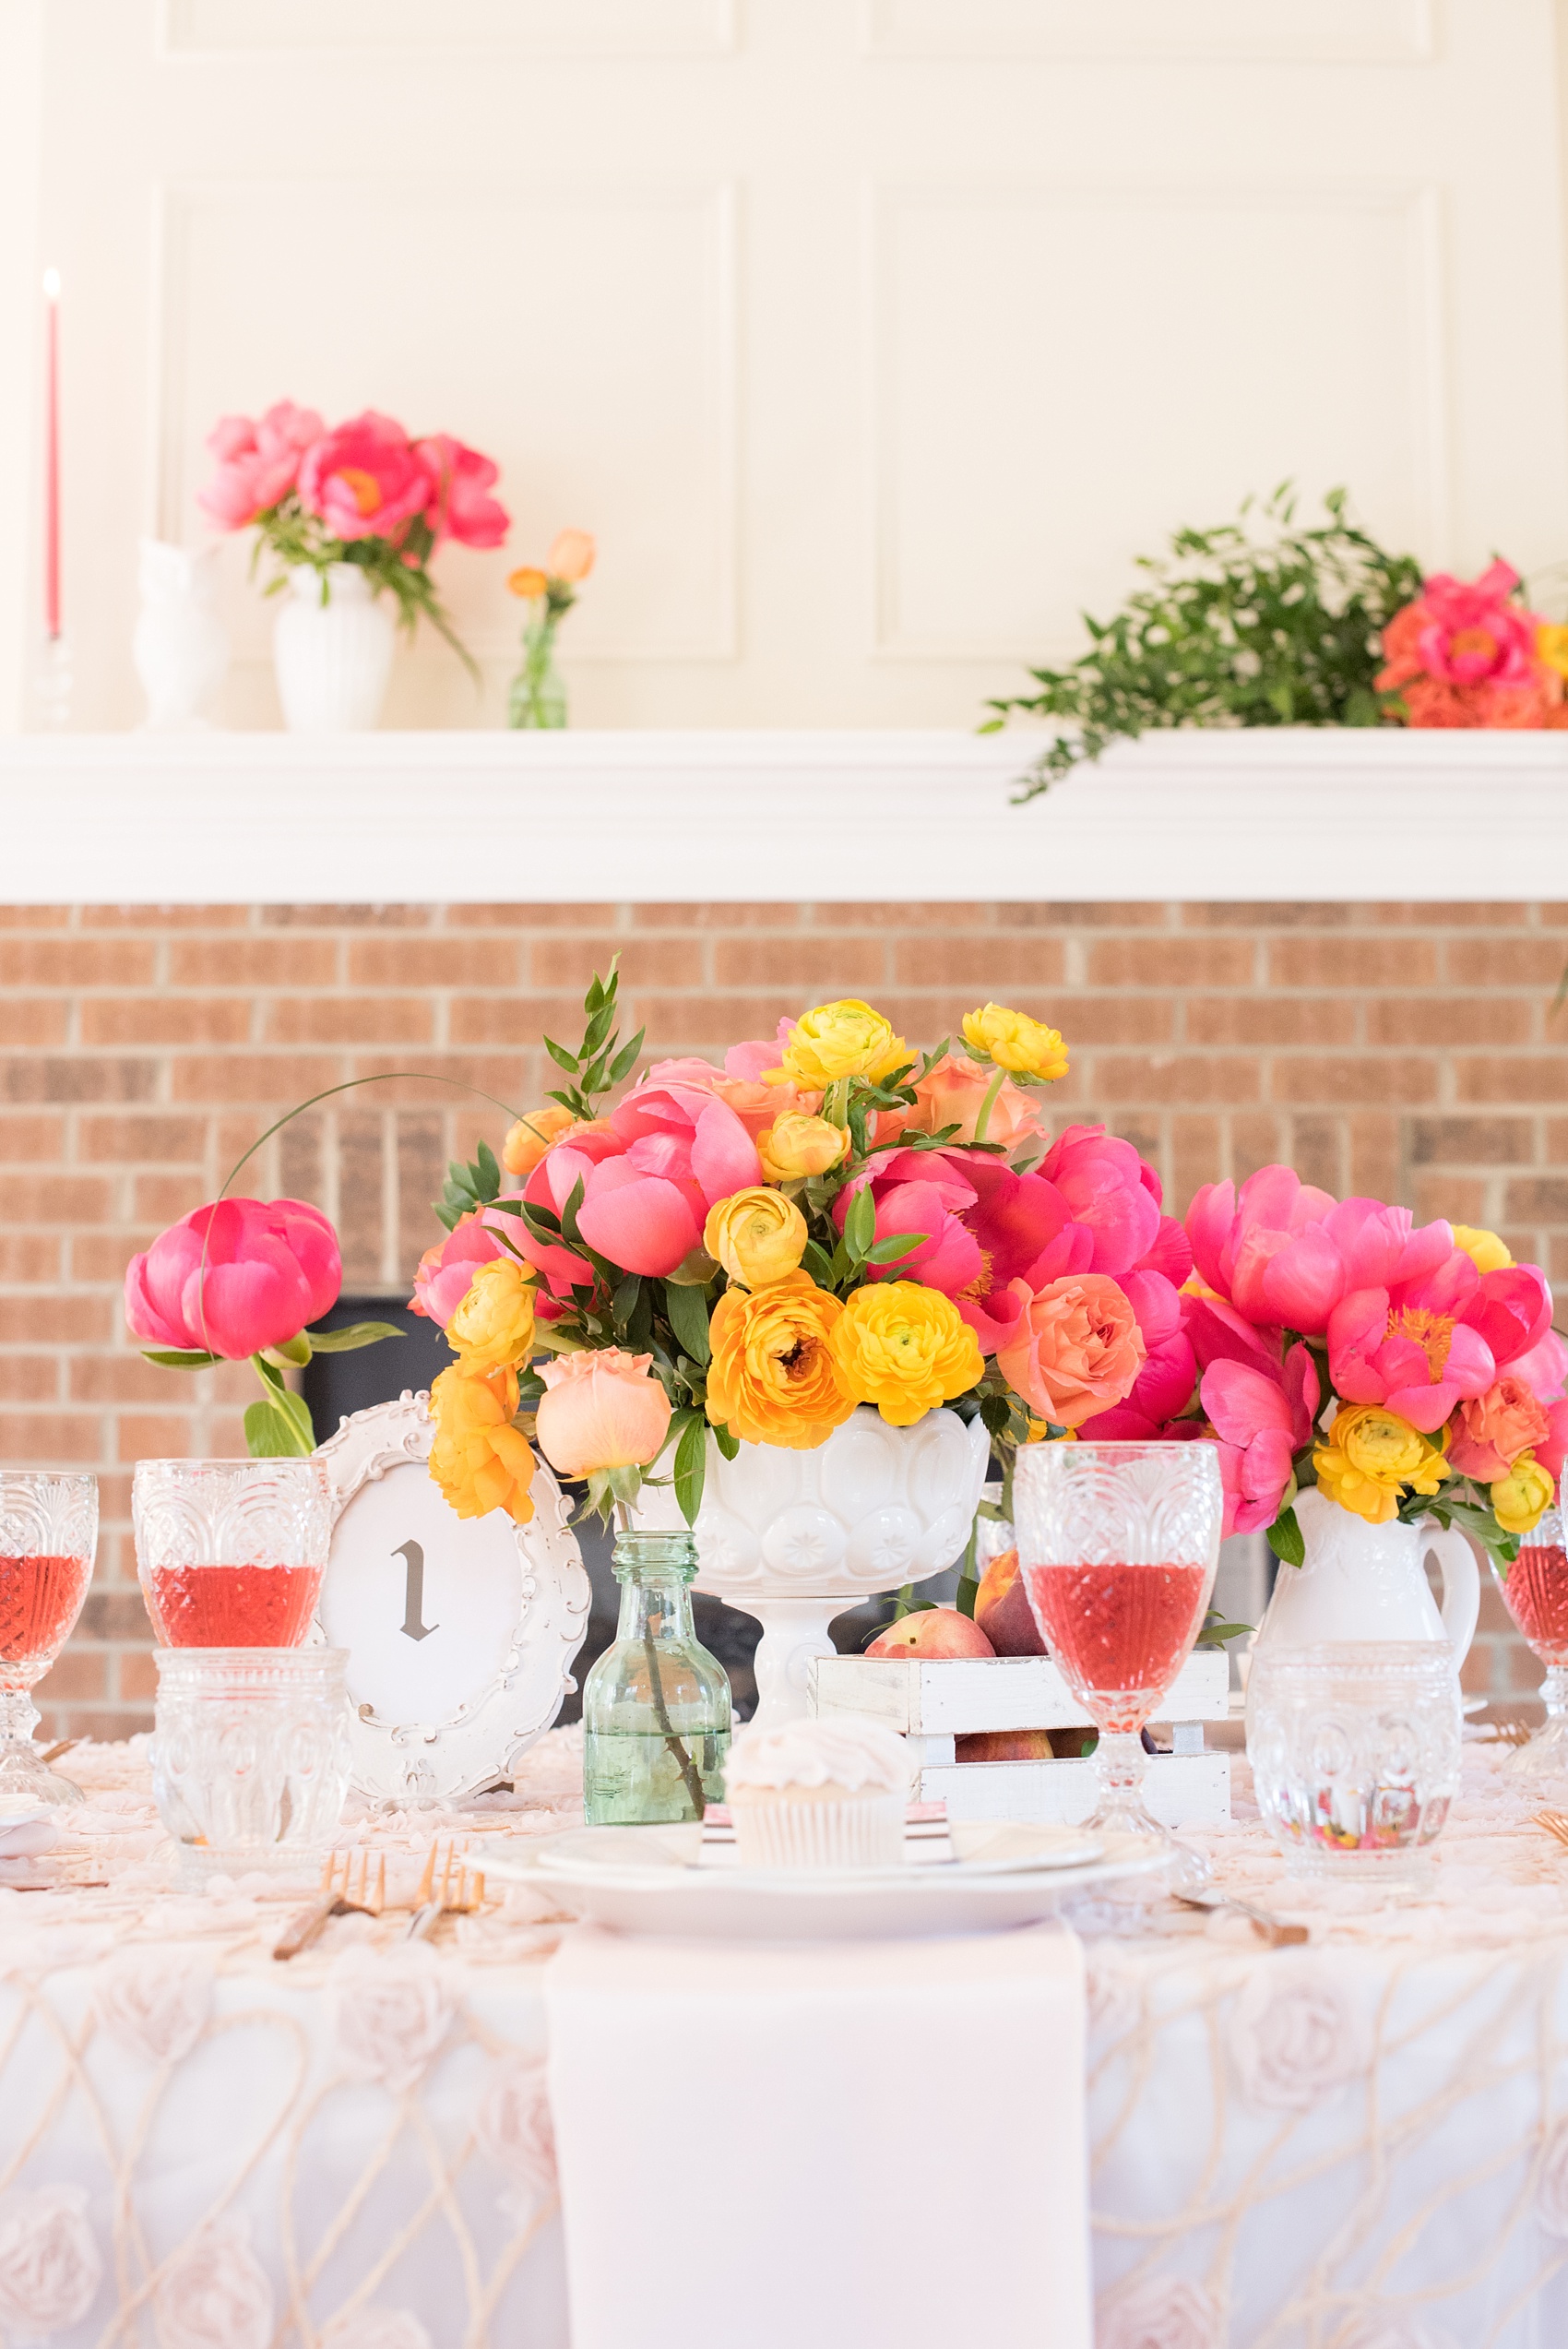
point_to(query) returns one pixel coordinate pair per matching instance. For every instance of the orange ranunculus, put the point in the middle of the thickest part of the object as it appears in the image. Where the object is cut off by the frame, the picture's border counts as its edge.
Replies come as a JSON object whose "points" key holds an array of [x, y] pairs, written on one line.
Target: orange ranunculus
{"points": [[530, 581], [479, 1459], [602, 1410], [907, 1349], [1079, 1349], [571, 558], [950, 1093], [532, 1136], [1494, 1428], [773, 1379]]}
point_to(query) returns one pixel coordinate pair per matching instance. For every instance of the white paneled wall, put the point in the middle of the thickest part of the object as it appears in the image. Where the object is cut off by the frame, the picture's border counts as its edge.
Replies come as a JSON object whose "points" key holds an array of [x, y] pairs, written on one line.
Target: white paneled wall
{"points": [[872, 337]]}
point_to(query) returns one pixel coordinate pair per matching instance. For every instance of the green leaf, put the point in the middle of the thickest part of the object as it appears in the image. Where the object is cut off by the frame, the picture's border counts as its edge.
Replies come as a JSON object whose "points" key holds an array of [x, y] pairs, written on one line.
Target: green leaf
{"points": [[360, 1334], [626, 1059], [275, 1431], [729, 1445], [860, 1224], [624, 1304], [488, 1171], [561, 1056], [898, 1243], [819, 1264], [569, 1213], [691, 1467], [1283, 1538], [173, 1358], [1213, 1634], [687, 1313], [293, 1353]]}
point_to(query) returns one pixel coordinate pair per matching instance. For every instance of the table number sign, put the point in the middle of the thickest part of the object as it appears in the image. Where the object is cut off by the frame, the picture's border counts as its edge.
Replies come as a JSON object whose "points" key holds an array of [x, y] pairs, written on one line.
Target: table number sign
{"points": [[461, 1632]]}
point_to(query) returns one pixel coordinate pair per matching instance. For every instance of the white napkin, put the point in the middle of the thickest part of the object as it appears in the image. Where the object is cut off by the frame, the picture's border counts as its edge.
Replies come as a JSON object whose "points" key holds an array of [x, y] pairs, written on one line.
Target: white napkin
{"points": [[23, 1835], [875, 2143]]}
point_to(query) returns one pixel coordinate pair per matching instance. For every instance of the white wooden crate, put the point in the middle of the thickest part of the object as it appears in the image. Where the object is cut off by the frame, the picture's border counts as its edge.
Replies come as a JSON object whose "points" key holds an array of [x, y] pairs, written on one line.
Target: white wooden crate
{"points": [[934, 1701]]}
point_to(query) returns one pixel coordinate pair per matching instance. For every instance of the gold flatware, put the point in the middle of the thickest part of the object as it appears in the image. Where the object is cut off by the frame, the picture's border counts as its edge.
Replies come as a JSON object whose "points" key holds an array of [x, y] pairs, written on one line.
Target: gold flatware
{"points": [[52, 1753], [1555, 1823], [448, 1887], [1509, 1732], [348, 1881], [1270, 1928]]}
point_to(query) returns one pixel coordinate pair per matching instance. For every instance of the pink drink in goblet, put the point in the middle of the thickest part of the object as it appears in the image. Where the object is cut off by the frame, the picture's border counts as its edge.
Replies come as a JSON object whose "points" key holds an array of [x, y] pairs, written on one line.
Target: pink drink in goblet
{"points": [[231, 1552], [1534, 1590], [48, 1535], [1118, 1546]]}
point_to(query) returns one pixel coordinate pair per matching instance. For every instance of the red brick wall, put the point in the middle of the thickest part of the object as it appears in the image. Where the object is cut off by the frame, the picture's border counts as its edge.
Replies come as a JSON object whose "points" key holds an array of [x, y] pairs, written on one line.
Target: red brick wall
{"points": [[1405, 1050]]}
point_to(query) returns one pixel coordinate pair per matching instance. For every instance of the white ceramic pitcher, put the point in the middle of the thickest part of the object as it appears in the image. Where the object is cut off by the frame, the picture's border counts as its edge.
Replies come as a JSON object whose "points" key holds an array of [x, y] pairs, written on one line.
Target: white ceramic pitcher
{"points": [[1362, 1582]]}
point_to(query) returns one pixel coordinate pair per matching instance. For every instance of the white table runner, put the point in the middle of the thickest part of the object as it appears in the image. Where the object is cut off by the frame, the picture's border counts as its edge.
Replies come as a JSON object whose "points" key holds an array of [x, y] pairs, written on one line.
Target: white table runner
{"points": [[877, 2144]]}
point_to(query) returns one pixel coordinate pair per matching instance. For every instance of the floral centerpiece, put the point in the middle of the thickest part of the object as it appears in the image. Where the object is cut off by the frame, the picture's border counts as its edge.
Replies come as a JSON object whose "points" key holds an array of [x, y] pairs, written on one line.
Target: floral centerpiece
{"points": [[362, 494], [538, 696], [829, 1220], [1468, 652], [1405, 1371]]}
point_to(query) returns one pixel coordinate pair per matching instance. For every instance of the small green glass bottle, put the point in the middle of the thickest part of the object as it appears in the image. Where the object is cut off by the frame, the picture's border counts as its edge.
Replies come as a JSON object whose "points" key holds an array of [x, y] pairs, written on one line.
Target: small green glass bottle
{"points": [[537, 696], [656, 1706]]}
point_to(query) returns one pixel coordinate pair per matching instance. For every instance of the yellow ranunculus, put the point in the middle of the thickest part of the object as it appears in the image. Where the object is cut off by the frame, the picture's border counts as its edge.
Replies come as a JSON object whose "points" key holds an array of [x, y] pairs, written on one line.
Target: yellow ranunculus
{"points": [[1015, 1041], [1552, 646], [795, 1146], [1485, 1249], [493, 1328], [904, 1349], [1521, 1498], [479, 1459], [530, 581], [773, 1379], [532, 1136], [845, 1039], [1370, 1455], [756, 1234]]}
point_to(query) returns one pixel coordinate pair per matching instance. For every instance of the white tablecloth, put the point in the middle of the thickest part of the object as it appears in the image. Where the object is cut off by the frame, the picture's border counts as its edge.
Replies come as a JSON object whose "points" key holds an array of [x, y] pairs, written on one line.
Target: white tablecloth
{"points": [[1361, 2145]]}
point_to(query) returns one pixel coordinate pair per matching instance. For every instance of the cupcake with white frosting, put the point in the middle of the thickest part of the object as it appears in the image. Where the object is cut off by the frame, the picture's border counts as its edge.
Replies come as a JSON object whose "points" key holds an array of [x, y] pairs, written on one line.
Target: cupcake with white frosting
{"points": [[819, 1794]]}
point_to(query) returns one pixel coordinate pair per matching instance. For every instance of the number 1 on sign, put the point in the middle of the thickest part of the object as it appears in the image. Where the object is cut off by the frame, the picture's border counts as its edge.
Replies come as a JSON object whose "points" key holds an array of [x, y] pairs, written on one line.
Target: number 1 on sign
{"points": [[412, 1557]]}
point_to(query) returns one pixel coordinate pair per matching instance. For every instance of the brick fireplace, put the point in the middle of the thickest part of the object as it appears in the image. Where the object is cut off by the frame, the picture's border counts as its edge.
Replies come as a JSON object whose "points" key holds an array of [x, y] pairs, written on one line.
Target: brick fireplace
{"points": [[1405, 1049]]}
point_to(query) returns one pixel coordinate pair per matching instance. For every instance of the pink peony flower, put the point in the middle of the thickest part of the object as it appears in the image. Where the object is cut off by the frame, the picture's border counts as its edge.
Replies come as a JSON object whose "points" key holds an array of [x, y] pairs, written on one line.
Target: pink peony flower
{"points": [[1471, 632], [603, 1410], [1078, 1349], [257, 463], [446, 1271], [459, 505], [1284, 1253], [1407, 1347], [1262, 1422], [667, 1154], [1115, 1196], [738, 1085], [990, 1238], [270, 1268], [364, 480]]}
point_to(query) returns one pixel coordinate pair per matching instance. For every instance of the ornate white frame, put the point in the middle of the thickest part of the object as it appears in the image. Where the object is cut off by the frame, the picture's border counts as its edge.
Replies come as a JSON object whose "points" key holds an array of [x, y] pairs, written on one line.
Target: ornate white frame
{"points": [[481, 1743]]}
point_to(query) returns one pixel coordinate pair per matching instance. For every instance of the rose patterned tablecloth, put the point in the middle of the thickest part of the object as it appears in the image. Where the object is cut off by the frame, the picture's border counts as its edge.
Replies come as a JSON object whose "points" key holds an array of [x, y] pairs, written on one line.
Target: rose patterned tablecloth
{"points": [[1362, 2145]]}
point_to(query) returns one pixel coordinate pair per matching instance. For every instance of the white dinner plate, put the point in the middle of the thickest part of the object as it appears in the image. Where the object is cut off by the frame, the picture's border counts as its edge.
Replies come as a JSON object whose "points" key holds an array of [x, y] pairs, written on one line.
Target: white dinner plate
{"points": [[653, 1879]]}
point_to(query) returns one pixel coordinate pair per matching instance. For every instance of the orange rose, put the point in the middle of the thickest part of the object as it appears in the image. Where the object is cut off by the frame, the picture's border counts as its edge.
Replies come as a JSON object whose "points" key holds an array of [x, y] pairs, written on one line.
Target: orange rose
{"points": [[572, 557], [528, 1140], [529, 582], [951, 1093], [1494, 1428], [1079, 1349]]}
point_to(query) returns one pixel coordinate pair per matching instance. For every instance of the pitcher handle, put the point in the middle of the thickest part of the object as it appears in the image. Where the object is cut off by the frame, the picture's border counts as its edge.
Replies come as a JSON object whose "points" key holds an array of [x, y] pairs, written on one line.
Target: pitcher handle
{"points": [[1461, 1583]]}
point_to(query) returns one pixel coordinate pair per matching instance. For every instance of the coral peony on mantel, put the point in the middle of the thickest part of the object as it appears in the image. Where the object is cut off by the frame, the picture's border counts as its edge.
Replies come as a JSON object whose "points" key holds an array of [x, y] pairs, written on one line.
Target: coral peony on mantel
{"points": [[1265, 814]]}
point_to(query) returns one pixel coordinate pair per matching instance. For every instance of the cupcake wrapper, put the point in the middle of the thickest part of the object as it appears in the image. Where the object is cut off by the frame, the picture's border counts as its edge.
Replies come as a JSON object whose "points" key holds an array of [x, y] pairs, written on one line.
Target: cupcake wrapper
{"points": [[868, 1832]]}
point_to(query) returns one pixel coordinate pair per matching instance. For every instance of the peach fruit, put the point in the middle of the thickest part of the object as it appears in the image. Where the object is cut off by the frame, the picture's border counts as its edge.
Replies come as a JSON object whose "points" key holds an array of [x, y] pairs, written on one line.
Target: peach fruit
{"points": [[934, 1631], [1002, 1609]]}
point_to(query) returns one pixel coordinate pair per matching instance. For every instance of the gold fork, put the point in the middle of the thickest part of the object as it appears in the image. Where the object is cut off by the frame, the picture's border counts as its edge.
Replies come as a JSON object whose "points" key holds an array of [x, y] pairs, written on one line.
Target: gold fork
{"points": [[1510, 1733], [1555, 1823], [448, 1887], [348, 1882]]}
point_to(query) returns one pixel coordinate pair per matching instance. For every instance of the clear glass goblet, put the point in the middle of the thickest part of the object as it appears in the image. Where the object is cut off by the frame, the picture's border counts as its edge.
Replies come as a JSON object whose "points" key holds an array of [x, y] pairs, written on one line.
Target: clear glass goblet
{"points": [[1534, 1592], [48, 1536], [1118, 1546]]}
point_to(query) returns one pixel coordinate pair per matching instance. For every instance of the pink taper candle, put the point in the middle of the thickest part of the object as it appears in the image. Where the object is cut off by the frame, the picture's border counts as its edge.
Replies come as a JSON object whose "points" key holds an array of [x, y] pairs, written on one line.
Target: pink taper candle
{"points": [[51, 457]]}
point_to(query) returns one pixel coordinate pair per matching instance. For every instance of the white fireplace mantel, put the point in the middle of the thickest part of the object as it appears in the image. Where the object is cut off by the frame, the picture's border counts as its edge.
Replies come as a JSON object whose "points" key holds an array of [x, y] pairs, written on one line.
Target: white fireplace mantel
{"points": [[235, 817]]}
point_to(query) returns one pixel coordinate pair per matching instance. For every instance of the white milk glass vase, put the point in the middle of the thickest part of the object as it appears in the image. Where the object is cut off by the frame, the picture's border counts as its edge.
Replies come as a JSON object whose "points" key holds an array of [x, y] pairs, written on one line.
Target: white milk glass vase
{"points": [[1362, 1582], [332, 651]]}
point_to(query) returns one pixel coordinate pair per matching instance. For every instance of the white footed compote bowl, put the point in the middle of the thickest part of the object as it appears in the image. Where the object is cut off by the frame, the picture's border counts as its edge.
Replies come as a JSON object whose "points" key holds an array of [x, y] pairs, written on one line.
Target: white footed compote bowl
{"points": [[795, 1538]]}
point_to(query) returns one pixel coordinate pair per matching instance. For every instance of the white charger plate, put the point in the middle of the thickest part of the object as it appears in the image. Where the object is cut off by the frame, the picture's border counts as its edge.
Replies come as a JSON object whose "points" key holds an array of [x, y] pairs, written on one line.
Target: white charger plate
{"points": [[652, 1879]]}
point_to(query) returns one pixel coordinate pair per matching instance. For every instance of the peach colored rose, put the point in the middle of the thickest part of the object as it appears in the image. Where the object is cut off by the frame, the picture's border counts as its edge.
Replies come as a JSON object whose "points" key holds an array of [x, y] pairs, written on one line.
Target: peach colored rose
{"points": [[49, 2264], [571, 557], [950, 1094], [603, 1410], [154, 2002], [1494, 1428], [216, 2294], [1078, 1350]]}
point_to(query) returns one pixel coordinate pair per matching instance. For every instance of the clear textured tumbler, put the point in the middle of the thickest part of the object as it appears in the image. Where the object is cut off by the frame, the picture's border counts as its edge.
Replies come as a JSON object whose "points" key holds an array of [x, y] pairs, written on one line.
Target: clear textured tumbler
{"points": [[231, 1552], [1355, 1750], [48, 1537], [250, 1753], [1118, 1546]]}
